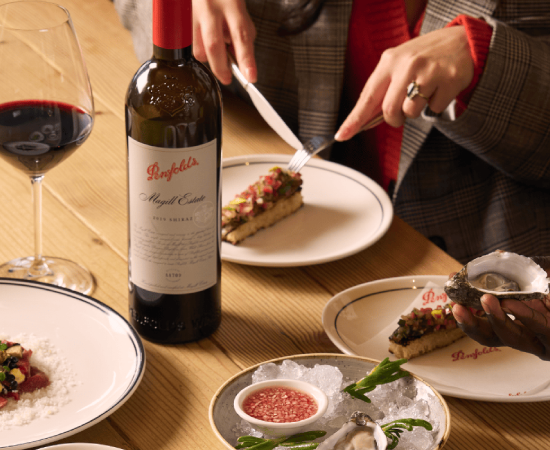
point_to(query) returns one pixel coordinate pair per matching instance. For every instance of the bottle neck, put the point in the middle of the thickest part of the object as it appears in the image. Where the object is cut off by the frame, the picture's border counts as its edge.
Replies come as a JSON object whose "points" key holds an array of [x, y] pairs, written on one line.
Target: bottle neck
{"points": [[169, 54], [172, 29]]}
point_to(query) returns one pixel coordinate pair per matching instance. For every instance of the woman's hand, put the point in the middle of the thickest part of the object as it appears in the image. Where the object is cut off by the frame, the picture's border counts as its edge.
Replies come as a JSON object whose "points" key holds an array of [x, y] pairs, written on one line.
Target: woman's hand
{"points": [[529, 332], [440, 63], [219, 25]]}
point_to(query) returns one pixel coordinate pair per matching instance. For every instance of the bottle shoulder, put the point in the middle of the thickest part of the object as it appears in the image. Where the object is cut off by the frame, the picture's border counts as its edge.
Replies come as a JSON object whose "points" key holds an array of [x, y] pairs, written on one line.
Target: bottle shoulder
{"points": [[160, 82], [175, 105]]}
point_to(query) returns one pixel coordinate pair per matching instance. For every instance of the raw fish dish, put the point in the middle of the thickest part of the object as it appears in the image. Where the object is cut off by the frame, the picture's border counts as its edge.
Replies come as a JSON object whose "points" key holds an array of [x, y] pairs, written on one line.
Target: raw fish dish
{"points": [[17, 375]]}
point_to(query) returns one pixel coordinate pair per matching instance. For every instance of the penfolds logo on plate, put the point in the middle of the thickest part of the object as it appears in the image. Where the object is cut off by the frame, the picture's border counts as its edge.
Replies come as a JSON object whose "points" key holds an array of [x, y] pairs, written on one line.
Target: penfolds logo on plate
{"points": [[154, 172], [460, 355], [430, 297]]}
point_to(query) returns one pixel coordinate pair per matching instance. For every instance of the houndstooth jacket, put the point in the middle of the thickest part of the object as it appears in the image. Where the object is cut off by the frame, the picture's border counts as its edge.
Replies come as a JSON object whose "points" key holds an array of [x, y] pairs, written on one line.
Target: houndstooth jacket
{"points": [[474, 184]]}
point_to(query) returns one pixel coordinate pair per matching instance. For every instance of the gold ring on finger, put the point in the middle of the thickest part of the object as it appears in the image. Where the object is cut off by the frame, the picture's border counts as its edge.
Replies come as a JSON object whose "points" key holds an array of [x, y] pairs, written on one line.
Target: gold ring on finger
{"points": [[413, 90]]}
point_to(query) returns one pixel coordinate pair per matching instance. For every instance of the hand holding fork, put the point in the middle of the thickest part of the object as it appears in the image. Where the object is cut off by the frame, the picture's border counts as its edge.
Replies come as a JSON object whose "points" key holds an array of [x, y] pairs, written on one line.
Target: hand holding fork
{"points": [[318, 143]]}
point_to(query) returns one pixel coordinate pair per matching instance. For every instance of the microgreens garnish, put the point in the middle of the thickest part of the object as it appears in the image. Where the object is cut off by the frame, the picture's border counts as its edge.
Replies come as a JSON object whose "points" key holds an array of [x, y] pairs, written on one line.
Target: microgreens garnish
{"points": [[394, 429], [298, 441], [385, 372], [3, 346]]}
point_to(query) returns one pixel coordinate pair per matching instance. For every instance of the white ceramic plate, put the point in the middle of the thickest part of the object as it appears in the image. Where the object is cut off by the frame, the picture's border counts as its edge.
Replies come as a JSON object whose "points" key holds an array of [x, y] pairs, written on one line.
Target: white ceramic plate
{"points": [[223, 417], [355, 321], [104, 352], [344, 212], [80, 446]]}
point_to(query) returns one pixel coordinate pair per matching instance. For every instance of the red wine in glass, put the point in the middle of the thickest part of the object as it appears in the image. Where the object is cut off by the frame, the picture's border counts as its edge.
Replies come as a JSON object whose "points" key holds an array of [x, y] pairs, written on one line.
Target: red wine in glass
{"points": [[36, 135], [46, 114]]}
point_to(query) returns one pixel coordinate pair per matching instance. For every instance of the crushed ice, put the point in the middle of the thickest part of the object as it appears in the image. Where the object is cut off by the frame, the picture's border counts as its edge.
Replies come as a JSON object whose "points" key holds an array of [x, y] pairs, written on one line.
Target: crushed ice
{"points": [[392, 401]]}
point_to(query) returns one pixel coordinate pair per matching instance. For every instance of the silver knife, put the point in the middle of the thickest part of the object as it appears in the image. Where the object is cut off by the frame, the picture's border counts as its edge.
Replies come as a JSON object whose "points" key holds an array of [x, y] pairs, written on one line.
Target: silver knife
{"points": [[265, 109]]}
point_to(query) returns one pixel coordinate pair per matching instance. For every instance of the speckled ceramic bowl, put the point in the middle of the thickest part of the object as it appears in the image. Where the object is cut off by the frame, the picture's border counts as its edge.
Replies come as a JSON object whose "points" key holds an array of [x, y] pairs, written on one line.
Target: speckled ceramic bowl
{"points": [[223, 416]]}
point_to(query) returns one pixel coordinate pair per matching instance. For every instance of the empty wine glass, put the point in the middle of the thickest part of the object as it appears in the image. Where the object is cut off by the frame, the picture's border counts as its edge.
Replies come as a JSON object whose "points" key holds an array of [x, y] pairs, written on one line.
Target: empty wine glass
{"points": [[46, 113]]}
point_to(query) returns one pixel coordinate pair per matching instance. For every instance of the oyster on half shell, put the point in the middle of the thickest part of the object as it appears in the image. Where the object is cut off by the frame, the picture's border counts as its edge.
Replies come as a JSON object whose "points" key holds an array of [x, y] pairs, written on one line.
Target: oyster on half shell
{"points": [[503, 274], [360, 432]]}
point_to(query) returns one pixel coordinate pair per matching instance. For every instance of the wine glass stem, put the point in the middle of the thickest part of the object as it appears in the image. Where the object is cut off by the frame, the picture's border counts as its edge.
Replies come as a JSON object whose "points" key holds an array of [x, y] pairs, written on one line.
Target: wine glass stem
{"points": [[39, 267]]}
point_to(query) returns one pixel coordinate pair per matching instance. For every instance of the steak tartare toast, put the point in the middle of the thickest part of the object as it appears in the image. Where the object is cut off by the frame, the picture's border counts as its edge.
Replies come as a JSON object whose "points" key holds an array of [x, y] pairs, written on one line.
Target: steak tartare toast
{"points": [[424, 330], [16, 373], [270, 199]]}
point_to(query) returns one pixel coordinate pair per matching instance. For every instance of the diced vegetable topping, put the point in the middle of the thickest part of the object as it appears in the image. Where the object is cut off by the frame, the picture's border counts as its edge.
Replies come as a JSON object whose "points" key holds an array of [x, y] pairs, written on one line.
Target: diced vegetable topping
{"points": [[259, 197], [420, 322], [16, 373]]}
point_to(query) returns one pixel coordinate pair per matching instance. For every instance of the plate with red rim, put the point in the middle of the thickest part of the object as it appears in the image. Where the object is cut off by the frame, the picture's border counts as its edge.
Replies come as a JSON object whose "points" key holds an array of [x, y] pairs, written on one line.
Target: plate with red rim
{"points": [[344, 212], [83, 332], [357, 319]]}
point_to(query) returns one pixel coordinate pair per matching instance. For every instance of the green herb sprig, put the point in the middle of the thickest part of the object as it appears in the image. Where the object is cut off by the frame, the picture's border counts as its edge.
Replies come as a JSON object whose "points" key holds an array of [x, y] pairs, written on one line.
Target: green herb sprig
{"points": [[385, 372], [3, 346], [298, 441], [394, 429]]}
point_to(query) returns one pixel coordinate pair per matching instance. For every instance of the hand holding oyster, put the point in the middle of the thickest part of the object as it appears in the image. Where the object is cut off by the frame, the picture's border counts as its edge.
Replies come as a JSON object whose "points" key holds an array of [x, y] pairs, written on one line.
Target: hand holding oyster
{"points": [[501, 274], [516, 299], [522, 325]]}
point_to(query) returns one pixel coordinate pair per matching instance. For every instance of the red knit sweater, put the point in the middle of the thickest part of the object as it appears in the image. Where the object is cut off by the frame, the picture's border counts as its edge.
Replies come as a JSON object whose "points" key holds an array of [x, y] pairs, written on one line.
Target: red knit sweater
{"points": [[375, 26]]}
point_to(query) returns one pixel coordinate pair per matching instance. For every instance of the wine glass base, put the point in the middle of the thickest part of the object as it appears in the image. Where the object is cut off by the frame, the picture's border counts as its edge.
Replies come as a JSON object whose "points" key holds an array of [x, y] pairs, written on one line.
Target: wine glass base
{"points": [[57, 271]]}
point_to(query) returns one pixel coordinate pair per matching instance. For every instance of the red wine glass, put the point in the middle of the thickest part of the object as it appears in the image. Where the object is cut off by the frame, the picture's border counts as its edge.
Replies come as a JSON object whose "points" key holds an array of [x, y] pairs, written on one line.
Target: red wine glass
{"points": [[46, 113]]}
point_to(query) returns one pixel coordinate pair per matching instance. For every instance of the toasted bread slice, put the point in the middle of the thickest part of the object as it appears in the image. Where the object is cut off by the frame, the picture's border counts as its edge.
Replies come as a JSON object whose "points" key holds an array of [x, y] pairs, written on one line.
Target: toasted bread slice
{"points": [[426, 343], [282, 208]]}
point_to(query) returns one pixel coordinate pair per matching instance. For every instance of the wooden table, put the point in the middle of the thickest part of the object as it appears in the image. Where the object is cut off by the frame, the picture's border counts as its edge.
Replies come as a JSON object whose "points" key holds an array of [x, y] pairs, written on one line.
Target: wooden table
{"points": [[85, 216]]}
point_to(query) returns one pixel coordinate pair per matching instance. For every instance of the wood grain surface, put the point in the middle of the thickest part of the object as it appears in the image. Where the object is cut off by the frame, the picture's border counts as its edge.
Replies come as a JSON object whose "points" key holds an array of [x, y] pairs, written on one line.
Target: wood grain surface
{"points": [[267, 312]]}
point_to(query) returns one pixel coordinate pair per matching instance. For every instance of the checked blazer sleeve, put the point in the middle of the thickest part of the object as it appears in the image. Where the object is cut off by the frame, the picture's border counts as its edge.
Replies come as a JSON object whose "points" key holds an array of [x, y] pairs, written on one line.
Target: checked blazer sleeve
{"points": [[507, 121], [481, 182]]}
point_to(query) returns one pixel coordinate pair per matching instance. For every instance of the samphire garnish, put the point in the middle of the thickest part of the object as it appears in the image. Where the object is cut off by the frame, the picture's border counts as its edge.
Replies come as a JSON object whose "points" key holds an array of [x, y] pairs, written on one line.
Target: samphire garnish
{"points": [[298, 441], [385, 372], [394, 429]]}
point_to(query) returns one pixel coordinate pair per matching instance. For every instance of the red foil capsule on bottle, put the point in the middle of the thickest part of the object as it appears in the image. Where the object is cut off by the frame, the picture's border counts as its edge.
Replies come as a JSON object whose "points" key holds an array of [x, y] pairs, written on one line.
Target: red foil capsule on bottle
{"points": [[172, 23]]}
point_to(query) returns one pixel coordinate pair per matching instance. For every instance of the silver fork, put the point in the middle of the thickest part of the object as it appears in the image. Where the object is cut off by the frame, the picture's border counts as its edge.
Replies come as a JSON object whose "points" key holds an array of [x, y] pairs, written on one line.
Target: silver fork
{"points": [[318, 143]]}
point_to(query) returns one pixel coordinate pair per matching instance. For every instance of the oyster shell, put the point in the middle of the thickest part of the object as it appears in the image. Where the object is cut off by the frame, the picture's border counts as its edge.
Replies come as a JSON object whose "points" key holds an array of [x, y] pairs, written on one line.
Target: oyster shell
{"points": [[360, 432], [503, 274]]}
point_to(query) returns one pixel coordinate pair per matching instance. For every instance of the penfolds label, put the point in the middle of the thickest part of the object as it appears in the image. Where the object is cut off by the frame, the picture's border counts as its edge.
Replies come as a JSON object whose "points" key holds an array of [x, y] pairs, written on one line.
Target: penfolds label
{"points": [[173, 216]]}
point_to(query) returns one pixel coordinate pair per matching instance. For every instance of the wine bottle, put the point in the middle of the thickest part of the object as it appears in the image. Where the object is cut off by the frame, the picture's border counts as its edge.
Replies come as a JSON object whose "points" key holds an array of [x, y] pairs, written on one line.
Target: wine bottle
{"points": [[173, 124]]}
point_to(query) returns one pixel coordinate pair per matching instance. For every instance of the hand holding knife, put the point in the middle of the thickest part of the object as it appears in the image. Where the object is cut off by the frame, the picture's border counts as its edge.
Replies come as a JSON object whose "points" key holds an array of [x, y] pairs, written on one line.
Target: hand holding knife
{"points": [[264, 108], [277, 123]]}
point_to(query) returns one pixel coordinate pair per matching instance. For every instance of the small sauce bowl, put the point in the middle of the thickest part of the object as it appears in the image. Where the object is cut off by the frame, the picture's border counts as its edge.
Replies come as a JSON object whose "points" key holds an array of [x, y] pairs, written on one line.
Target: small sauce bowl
{"points": [[279, 429]]}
